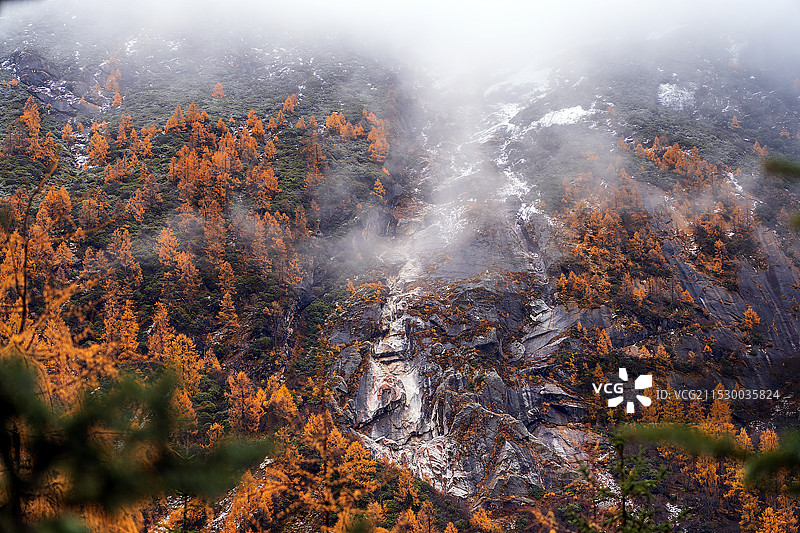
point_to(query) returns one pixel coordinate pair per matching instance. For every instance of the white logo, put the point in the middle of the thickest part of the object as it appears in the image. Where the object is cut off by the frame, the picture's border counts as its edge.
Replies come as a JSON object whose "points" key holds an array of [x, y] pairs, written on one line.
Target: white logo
{"points": [[645, 381]]}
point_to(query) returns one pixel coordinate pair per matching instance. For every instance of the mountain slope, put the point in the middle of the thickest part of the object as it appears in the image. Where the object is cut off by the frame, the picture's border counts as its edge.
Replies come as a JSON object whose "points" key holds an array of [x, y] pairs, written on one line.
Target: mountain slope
{"points": [[462, 274]]}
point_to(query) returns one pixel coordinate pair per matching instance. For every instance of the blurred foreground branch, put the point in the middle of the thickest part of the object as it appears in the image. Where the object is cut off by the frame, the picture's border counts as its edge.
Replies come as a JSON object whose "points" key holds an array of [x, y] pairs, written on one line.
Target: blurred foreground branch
{"points": [[760, 467], [110, 451], [789, 170]]}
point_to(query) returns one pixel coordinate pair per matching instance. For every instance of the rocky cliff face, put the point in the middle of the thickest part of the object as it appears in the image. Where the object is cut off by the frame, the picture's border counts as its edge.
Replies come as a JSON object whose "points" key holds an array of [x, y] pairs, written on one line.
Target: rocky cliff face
{"points": [[451, 368], [449, 381], [69, 90], [447, 371]]}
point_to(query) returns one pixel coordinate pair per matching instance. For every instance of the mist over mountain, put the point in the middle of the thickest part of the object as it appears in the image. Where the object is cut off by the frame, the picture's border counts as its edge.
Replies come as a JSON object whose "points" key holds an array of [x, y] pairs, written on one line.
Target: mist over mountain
{"points": [[412, 243]]}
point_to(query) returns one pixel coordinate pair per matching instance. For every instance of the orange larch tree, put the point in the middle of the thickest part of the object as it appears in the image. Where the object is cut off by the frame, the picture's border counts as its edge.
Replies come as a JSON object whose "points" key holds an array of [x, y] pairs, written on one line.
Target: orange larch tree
{"points": [[135, 207], [226, 157], [290, 104], [270, 152], [312, 150], [604, 346], [121, 331], [244, 411], [122, 136], [161, 332], [188, 275], [264, 183], [63, 262], [120, 250], [152, 193], [200, 137], [282, 406], [227, 317], [68, 134], [93, 212], [112, 82], [55, 210], [146, 147], [180, 355], [378, 190], [480, 520], [255, 125], [193, 115], [218, 91], [98, 149], [248, 148], [117, 172], [333, 123], [176, 122], [31, 120], [227, 279], [347, 131], [379, 149], [214, 230], [750, 321], [167, 247]]}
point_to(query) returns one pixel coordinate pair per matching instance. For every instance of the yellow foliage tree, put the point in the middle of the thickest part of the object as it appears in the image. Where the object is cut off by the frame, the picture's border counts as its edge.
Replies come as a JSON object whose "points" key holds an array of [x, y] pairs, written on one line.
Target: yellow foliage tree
{"points": [[604, 346], [751, 321], [406, 491], [290, 104], [218, 91], [98, 149], [378, 189], [718, 421], [244, 411], [361, 468], [282, 403], [255, 125], [161, 333], [769, 441], [181, 355], [228, 319], [481, 521], [269, 151]]}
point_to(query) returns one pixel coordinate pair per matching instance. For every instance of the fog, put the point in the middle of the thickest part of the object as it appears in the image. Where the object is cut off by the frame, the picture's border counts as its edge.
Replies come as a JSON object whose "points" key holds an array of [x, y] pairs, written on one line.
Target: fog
{"points": [[458, 47], [462, 38]]}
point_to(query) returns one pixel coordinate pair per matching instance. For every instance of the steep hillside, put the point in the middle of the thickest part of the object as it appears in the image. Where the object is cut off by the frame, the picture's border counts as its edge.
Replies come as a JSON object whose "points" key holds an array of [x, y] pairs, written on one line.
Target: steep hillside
{"points": [[390, 277], [559, 243]]}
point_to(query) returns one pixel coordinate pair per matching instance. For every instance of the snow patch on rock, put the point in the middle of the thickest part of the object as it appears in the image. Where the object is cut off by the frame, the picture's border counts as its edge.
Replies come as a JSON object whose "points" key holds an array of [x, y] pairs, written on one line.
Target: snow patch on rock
{"points": [[568, 115], [675, 97]]}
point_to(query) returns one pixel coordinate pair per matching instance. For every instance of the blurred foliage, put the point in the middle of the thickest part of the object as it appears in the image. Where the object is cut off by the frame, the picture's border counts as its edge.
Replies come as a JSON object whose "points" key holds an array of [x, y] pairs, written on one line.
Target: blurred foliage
{"points": [[759, 467], [631, 508], [110, 450], [789, 170]]}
